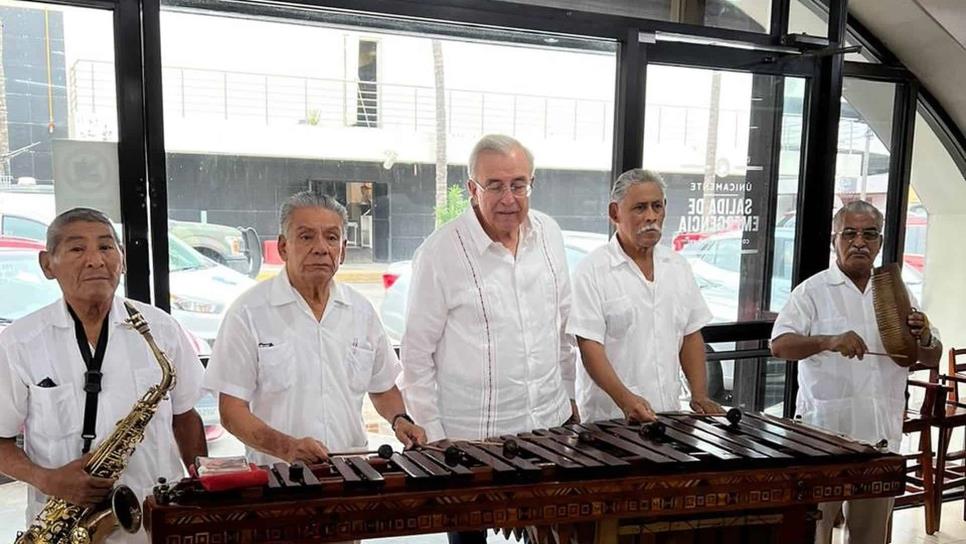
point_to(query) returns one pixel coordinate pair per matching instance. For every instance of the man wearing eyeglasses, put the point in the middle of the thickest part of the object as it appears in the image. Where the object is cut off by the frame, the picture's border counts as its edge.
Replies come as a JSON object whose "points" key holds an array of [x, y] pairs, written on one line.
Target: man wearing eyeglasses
{"points": [[828, 325], [484, 352]]}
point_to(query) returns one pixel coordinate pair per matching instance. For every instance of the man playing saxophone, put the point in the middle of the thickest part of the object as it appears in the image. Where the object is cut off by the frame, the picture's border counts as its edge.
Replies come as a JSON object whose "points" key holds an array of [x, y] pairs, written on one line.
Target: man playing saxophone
{"points": [[71, 370]]}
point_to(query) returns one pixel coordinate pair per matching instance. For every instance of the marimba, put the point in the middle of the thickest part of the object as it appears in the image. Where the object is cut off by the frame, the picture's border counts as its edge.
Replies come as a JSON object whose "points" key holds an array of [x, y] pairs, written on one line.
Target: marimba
{"points": [[755, 478]]}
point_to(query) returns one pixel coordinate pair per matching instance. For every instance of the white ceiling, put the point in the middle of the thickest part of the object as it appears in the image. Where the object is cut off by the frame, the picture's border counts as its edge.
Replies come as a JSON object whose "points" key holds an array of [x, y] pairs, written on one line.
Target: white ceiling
{"points": [[928, 36]]}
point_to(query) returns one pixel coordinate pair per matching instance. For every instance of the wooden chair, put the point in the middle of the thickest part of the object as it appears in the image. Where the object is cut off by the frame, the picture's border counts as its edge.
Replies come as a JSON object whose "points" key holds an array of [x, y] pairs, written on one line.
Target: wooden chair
{"points": [[950, 469], [920, 480]]}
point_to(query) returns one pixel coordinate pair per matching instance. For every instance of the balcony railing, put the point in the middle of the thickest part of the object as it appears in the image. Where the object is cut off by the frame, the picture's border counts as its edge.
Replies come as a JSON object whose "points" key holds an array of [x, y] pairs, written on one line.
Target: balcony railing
{"points": [[202, 94]]}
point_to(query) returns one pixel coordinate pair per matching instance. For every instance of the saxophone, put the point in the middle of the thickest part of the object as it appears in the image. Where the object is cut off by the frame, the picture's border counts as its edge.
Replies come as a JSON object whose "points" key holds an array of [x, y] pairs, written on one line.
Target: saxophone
{"points": [[61, 522]]}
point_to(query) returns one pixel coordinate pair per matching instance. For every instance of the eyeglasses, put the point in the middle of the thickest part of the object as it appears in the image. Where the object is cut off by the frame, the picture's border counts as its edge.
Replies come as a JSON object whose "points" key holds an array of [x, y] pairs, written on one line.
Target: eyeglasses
{"points": [[497, 189], [869, 235]]}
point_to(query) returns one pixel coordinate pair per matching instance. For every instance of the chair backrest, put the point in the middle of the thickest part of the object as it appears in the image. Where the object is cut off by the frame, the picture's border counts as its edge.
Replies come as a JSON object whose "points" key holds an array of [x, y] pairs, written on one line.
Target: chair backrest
{"points": [[956, 368], [930, 410]]}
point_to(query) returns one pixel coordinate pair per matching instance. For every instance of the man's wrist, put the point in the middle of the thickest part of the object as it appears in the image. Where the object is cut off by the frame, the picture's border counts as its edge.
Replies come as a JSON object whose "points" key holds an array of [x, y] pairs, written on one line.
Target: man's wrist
{"points": [[397, 417], [930, 344]]}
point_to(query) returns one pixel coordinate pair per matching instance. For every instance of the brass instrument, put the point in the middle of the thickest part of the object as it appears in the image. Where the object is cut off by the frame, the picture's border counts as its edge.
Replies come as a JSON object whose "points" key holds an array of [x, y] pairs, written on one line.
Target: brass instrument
{"points": [[61, 522]]}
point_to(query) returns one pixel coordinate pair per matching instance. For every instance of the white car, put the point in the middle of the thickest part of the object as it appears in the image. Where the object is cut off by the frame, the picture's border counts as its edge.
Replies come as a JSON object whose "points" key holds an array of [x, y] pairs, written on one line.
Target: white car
{"points": [[201, 289]]}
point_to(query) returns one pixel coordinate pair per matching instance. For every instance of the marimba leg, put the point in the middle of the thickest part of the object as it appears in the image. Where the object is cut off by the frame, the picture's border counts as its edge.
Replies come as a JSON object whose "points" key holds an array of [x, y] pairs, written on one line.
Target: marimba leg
{"points": [[607, 531]]}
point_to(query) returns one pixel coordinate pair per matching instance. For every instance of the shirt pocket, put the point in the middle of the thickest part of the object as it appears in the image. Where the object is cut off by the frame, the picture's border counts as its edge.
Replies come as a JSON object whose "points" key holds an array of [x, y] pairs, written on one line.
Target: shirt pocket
{"points": [[361, 360], [618, 316], [830, 326], [53, 411], [276, 368]]}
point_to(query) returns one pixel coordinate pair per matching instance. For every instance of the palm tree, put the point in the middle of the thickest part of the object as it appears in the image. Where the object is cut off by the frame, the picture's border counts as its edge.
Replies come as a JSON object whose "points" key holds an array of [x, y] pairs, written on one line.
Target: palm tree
{"points": [[4, 131], [440, 87]]}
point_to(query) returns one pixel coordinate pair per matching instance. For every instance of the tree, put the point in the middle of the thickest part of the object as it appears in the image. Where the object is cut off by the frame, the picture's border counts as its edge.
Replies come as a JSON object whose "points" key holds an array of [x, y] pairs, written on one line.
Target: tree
{"points": [[455, 204]]}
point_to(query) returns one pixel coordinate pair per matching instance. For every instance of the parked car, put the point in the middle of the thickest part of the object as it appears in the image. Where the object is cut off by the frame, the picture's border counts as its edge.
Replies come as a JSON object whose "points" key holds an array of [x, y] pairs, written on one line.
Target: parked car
{"points": [[236, 248], [717, 260]]}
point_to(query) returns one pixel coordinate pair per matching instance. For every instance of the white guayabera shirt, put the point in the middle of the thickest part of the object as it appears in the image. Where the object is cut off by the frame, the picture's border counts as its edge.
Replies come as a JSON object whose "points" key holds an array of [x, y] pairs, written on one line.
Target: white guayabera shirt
{"points": [[43, 345], [863, 399], [301, 376], [640, 323], [484, 352]]}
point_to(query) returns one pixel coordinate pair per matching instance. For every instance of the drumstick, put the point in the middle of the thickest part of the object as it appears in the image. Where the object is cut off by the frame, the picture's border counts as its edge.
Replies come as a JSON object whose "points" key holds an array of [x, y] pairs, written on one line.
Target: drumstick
{"points": [[893, 355], [384, 451]]}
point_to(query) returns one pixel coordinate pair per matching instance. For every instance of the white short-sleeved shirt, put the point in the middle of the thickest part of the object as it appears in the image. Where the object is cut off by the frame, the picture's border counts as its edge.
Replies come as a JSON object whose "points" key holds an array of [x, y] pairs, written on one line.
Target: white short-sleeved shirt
{"points": [[863, 399], [484, 351], [640, 323], [301, 376], [43, 345]]}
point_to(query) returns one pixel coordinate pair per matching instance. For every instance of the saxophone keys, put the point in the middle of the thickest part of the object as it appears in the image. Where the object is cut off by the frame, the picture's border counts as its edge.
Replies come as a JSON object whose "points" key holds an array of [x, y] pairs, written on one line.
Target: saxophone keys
{"points": [[80, 536]]}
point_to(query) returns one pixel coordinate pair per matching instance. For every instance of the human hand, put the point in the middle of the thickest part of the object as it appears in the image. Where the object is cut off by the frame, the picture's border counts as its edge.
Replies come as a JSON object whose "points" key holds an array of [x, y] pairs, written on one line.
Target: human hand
{"points": [[73, 484]]}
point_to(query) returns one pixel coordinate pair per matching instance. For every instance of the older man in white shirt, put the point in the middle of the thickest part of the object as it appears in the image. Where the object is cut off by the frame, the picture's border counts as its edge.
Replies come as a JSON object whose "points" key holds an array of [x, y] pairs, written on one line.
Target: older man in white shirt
{"points": [[484, 351], [638, 314], [296, 354], [49, 356], [828, 325]]}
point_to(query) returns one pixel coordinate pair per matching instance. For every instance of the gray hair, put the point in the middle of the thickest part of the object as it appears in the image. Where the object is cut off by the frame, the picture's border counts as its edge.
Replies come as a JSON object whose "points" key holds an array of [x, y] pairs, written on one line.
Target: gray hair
{"points": [[857, 206], [633, 177], [74, 215], [308, 199], [497, 143]]}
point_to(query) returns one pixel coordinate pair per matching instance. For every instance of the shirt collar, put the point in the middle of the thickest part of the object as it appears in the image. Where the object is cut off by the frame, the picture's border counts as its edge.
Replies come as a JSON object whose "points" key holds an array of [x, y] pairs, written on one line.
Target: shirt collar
{"points": [[482, 240], [618, 256], [282, 292], [61, 317], [835, 275]]}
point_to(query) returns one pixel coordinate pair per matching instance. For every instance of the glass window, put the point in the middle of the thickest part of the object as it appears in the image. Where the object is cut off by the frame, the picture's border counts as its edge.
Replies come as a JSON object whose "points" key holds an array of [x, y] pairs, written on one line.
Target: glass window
{"points": [[247, 125], [747, 15], [713, 153], [54, 155], [865, 138]]}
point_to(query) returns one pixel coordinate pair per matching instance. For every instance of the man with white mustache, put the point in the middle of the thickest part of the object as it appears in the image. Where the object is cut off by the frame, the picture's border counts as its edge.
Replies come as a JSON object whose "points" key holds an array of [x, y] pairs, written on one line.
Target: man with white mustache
{"points": [[828, 325], [637, 314]]}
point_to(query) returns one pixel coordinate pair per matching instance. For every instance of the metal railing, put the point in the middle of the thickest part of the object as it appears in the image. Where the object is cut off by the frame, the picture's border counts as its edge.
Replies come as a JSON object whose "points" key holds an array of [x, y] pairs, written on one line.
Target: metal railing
{"points": [[203, 94], [192, 93]]}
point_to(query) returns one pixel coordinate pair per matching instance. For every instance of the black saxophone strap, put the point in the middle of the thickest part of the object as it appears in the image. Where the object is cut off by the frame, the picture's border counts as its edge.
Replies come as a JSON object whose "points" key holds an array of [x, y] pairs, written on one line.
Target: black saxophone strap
{"points": [[92, 377]]}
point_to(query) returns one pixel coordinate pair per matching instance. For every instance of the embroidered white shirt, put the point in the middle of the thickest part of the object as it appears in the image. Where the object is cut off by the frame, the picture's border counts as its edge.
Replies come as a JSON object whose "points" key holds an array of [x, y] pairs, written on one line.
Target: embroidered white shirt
{"points": [[484, 351]]}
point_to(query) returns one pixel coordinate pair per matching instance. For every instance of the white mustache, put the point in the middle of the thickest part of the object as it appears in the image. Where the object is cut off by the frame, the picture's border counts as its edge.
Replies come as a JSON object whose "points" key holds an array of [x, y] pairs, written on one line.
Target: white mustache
{"points": [[649, 228]]}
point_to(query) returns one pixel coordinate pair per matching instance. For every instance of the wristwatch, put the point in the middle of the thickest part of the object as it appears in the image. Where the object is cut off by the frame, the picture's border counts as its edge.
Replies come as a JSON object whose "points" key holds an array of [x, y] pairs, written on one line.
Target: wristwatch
{"points": [[396, 418], [931, 344]]}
